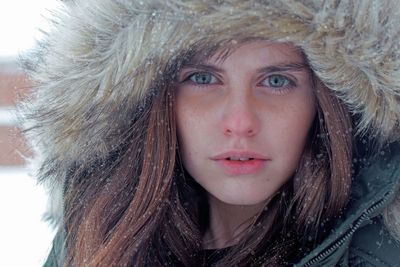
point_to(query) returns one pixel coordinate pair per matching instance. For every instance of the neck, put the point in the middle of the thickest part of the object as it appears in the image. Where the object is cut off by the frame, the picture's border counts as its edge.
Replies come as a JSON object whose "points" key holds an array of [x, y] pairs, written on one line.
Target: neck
{"points": [[228, 222]]}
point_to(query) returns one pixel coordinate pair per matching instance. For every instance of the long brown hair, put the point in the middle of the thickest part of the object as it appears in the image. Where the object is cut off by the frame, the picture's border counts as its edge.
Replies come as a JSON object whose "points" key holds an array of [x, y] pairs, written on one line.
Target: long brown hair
{"points": [[150, 212]]}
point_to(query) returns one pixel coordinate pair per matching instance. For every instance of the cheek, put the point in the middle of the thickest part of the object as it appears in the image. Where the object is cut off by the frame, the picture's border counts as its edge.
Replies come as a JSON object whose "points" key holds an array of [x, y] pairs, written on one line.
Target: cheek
{"points": [[190, 147], [194, 118], [189, 123], [182, 126], [290, 130], [298, 131]]}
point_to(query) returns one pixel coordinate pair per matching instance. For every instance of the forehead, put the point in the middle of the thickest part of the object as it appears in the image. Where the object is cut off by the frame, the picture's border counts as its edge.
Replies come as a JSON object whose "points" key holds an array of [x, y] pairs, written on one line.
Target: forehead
{"points": [[259, 50]]}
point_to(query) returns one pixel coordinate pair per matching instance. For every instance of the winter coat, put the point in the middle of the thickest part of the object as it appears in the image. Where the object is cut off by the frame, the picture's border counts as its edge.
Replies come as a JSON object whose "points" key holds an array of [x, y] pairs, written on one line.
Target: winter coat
{"points": [[360, 238], [103, 57]]}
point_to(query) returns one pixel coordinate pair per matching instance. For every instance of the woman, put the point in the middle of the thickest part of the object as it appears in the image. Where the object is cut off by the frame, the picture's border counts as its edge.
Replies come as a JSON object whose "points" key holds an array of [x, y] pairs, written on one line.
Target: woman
{"points": [[227, 133]]}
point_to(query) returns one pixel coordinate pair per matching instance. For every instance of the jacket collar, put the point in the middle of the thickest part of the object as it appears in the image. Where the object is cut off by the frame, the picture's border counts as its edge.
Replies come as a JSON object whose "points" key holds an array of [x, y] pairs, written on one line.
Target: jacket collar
{"points": [[375, 186]]}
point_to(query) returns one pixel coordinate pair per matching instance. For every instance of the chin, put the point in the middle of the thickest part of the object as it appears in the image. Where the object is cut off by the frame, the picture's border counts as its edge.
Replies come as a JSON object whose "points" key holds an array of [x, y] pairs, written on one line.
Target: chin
{"points": [[242, 199]]}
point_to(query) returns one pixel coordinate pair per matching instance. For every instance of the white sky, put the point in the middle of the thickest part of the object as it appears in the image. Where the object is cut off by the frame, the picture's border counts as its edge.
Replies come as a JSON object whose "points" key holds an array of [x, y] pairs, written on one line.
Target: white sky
{"points": [[19, 24], [25, 238]]}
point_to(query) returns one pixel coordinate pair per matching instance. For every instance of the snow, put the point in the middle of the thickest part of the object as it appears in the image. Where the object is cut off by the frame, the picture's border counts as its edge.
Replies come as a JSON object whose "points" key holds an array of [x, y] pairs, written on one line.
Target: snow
{"points": [[7, 116], [20, 21], [25, 237]]}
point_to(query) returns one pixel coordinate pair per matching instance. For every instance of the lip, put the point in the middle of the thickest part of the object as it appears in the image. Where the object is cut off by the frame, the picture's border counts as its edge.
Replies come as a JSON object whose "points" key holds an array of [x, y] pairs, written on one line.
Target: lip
{"points": [[243, 154], [234, 168]]}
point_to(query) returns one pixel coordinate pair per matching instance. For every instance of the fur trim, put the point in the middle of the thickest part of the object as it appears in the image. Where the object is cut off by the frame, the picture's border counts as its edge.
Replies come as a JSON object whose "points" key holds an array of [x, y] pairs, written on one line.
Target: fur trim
{"points": [[102, 57]]}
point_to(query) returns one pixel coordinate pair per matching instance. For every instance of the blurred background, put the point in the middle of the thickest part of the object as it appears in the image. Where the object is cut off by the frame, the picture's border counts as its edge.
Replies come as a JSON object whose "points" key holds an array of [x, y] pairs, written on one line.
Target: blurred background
{"points": [[25, 238]]}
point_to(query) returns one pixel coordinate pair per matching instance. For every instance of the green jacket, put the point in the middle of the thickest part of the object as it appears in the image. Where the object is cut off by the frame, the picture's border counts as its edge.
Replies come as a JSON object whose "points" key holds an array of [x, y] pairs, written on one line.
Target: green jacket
{"points": [[361, 238]]}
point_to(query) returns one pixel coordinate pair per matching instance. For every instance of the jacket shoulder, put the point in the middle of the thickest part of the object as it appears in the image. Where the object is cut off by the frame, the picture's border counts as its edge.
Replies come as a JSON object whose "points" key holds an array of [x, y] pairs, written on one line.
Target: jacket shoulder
{"points": [[56, 254], [372, 245]]}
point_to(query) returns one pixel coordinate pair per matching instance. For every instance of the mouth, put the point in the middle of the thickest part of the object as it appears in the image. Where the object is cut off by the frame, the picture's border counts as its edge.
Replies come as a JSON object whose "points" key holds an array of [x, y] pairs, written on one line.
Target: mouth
{"points": [[233, 158], [234, 163], [240, 156]]}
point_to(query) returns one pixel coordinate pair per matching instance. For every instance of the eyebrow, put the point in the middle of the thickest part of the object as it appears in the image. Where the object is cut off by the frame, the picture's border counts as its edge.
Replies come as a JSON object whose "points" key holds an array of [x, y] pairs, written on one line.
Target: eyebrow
{"points": [[204, 66], [293, 66]]}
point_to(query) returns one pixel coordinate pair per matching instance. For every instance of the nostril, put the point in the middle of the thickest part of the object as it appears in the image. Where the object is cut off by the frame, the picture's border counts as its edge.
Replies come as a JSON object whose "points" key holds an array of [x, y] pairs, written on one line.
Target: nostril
{"points": [[240, 125], [228, 131]]}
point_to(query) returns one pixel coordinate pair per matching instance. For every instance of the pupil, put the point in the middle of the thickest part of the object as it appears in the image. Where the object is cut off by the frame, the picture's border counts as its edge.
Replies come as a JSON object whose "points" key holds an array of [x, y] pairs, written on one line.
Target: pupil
{"points": [[203, 78], [277, 81]]}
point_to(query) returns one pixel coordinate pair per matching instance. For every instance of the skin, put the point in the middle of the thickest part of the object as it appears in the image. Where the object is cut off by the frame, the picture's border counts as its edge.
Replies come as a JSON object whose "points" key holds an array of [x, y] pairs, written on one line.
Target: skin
{"points": [[257, 99]]}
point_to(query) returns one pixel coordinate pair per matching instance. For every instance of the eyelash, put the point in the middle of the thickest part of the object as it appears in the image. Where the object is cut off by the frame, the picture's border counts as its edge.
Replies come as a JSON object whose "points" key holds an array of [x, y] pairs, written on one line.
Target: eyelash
{"points": [[290, 84], [188, 79]]}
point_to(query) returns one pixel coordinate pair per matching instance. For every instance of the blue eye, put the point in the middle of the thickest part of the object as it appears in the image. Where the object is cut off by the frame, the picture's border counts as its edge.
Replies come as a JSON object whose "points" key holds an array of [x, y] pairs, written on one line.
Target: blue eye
{"points": [[202, 78], [276, 81]]}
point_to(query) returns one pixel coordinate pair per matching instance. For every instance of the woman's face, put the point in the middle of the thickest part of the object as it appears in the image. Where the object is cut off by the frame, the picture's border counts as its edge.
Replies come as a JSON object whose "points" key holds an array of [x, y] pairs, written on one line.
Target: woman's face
{"points": [[243, 121]]}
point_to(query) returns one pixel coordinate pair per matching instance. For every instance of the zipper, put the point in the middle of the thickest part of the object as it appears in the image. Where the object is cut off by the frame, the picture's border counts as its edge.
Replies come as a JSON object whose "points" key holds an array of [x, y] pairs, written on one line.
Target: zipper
{"points": [[350, 232]]}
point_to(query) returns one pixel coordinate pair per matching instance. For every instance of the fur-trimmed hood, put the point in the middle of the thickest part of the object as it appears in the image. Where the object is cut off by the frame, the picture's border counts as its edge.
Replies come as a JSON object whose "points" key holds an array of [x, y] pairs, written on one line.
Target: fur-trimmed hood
{"points": [[103, 57]]}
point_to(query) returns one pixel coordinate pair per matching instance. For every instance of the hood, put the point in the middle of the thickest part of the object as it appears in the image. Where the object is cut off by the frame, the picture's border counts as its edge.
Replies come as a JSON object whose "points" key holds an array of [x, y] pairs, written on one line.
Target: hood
{"points": [[102, 58]]}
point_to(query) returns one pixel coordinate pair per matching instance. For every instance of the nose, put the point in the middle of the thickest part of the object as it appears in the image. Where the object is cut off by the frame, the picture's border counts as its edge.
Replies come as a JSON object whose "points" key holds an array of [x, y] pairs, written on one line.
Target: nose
{"points": [[240, 117]]}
